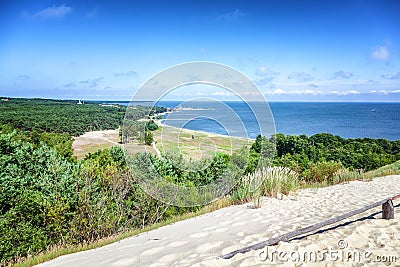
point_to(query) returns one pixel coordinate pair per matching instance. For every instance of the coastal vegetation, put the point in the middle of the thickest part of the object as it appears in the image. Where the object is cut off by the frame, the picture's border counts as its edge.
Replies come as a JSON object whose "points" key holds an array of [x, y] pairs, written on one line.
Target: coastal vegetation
{"points": [[49, 199], [60, 116], [194, 145]]}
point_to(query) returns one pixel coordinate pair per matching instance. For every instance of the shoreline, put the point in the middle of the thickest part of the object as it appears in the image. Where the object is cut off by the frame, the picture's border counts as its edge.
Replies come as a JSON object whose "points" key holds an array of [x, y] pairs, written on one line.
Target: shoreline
{"points": [[160, 124]]}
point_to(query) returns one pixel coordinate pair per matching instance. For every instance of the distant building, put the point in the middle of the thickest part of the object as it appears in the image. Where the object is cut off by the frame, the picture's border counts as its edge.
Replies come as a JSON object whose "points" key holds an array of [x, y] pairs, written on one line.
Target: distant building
{"points": [[4, 99], [80, 103]]}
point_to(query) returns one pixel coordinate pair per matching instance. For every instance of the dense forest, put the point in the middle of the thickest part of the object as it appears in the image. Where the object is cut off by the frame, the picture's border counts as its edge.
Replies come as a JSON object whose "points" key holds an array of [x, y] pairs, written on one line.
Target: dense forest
{"points": [[304, 154], [48, 198], [59, 116]]}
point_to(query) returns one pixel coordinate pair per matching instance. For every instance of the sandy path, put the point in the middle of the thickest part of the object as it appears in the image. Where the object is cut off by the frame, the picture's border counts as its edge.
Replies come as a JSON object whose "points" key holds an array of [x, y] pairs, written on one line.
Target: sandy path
{"points": [[93, 141], [199, 241]]}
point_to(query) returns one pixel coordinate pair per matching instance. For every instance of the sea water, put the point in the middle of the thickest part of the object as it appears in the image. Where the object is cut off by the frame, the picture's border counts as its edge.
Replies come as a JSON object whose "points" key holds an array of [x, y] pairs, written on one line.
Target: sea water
{"points": [[346, 119]]}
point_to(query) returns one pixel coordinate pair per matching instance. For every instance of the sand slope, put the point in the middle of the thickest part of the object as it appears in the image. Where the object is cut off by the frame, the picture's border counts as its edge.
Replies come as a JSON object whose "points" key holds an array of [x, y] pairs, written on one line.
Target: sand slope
{"points": [[199, 241]]}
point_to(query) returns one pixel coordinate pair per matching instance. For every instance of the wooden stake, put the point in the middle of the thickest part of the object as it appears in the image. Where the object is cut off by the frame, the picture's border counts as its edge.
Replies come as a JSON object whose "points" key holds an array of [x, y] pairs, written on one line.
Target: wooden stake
{"points": [[388, 210]]}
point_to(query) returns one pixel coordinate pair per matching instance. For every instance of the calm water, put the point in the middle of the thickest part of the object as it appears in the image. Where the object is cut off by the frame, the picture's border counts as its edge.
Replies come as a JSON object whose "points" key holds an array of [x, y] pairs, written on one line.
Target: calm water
{"points": [[350, 120]]}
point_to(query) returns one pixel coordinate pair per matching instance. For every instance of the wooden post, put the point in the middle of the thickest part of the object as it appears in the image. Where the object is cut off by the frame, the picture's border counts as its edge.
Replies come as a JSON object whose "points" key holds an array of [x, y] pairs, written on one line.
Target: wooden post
{"points": [[388, 210]]}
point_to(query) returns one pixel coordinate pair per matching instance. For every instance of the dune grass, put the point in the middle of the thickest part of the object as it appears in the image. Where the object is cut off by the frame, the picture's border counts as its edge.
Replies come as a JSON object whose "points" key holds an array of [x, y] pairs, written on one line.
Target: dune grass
{"points": [[345, 175], [279, 181]]}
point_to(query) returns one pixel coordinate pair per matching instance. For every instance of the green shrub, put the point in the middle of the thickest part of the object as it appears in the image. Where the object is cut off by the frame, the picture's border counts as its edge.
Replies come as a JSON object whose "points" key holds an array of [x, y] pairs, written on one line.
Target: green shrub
{"points": [[37, 196], [151, 126], [148, 138], [322, 172]]}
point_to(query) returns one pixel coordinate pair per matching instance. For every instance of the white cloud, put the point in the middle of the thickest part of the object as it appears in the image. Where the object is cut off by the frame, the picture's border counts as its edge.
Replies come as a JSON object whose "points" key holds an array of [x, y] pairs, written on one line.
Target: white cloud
{"points": [[130, 73], [308, 92], [263, 81], [53, 12], [222, 93], [70, 85], [266, 72], [342, 75], [372, 82], [349, 92], [92, 14], [385, 92], [266, 76], [301, 76], [392, 76], [91, 83], [352, 92], [231, 16], [380, 53], [293, 92], [276, 92], [188, 94]]}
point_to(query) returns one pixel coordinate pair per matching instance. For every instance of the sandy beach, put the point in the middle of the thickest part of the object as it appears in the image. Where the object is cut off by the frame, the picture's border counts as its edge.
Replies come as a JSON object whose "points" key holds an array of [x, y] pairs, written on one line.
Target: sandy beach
{"points": [[202, 240], [197, 132]]}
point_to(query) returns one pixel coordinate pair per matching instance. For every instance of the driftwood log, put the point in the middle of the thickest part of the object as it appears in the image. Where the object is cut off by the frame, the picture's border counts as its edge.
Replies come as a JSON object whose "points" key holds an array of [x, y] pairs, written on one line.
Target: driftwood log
{"points": [[313, 227]]}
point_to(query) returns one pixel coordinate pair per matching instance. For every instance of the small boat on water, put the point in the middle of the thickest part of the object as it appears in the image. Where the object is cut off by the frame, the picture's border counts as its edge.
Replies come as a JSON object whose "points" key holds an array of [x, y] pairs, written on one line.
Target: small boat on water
{"points": [[373, 110]]}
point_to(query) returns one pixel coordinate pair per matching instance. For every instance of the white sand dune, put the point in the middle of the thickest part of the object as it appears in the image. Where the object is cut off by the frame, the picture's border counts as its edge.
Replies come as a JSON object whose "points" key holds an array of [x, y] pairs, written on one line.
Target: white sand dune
{"points": [[200, 241]]}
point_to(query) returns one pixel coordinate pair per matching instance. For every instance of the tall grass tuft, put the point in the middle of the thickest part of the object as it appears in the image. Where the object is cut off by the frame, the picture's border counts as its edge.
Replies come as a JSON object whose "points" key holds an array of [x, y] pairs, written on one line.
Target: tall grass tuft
{"points": [[277, 180], [344, 175], [266, 181]]}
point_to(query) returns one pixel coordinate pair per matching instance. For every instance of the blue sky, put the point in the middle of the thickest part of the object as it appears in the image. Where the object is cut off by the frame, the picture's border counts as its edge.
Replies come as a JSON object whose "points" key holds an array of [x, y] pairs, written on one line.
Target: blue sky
{"points": [[293, 50]]}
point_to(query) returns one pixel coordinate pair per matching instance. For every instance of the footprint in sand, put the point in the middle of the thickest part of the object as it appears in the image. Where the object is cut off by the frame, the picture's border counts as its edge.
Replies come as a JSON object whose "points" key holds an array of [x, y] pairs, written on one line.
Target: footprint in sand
{"points": [[258, 219], [170, 258], [127, 247], [247, 239], [152, 251], [238, 224], [128, 261], [210, 228], [176, 244], [209, 246], [230, 249], [199, 235], [240, 212], [225, 223], [240, 234]]}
